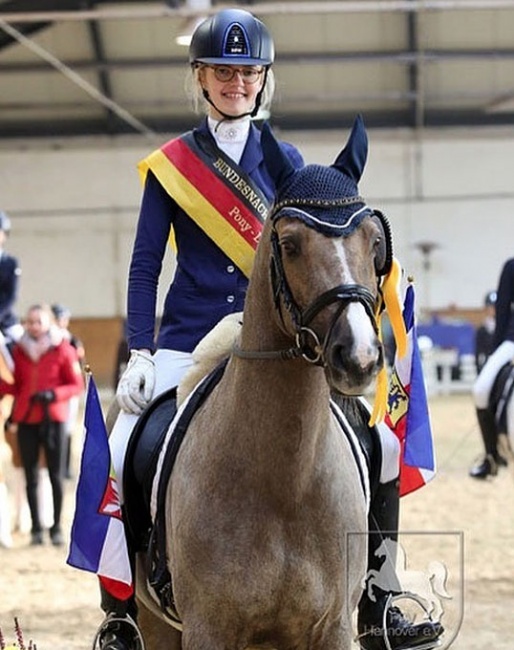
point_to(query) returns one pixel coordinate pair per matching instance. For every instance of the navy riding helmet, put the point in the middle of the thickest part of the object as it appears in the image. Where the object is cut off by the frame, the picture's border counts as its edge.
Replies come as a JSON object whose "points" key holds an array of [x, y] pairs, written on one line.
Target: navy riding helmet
{"points": [[233, 37]]}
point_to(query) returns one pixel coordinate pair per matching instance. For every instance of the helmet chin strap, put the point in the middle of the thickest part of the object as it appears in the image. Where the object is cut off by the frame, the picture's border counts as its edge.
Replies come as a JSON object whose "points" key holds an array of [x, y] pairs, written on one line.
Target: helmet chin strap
{"points": [[252, 113], [225, 115]]}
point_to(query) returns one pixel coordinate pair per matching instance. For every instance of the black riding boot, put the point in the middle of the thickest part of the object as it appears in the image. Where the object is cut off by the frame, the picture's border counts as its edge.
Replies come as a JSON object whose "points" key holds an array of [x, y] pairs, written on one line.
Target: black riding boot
{"points": [[118, 631], [488, 466], [383, 533]]}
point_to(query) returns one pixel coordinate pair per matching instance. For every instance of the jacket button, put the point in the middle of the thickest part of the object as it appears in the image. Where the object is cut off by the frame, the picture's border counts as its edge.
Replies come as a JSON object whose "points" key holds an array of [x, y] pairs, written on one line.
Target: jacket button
{"points": [[231, 268], [230, 298]]}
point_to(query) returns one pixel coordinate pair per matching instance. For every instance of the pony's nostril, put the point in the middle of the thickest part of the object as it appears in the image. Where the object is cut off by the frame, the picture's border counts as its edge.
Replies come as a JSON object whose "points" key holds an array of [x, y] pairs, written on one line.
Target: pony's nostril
{"points": [[369, 361], [340, 356], [380, 359]]}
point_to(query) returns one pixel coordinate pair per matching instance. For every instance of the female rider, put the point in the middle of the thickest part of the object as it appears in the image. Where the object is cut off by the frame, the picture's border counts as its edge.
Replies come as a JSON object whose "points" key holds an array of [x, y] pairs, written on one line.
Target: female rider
{"points": [[209, 188]]}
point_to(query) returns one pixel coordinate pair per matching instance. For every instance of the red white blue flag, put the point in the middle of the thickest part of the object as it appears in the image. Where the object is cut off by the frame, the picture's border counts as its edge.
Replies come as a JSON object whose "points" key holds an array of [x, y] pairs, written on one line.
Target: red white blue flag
{"points": [[98, 543], [407, 409]]}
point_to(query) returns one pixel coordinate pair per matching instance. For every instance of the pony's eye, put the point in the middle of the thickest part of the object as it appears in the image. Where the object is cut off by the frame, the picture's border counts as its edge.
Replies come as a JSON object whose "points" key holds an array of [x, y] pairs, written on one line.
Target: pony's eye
{"points": [[379, 245], [382, 243], [380, 251], [290, 246]]}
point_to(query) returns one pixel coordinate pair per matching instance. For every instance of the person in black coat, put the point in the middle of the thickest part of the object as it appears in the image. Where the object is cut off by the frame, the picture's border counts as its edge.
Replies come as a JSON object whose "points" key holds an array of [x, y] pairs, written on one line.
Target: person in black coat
{"points": [[503, 352], [10, 327]]}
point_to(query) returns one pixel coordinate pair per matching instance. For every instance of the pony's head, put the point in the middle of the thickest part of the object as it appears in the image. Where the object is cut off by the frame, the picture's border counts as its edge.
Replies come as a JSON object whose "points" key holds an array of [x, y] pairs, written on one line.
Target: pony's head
{"points": [[326, 276], [326, 198]]}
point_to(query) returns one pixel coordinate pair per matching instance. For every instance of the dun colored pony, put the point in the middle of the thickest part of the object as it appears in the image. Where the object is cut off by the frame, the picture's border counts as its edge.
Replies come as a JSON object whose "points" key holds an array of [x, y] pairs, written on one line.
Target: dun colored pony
{"points": [[266, 490]]}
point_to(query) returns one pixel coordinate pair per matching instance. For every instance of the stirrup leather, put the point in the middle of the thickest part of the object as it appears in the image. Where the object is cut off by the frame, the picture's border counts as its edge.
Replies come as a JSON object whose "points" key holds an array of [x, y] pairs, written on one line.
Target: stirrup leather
{"points": [[109, 623]]}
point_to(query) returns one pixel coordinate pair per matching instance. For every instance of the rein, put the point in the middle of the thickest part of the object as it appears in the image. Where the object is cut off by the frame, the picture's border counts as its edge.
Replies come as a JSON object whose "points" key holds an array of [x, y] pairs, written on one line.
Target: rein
{"points": [[308, 344]]}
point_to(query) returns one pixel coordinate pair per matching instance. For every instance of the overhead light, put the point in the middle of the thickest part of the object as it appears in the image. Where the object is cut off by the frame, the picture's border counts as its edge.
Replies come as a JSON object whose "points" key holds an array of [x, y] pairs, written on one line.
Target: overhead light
{"points": [[200, 7]]}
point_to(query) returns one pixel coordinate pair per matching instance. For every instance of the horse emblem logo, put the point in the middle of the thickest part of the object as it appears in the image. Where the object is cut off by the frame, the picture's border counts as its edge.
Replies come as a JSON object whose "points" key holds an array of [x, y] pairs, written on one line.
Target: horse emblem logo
{"points": [[423, 588], [427, 587]]}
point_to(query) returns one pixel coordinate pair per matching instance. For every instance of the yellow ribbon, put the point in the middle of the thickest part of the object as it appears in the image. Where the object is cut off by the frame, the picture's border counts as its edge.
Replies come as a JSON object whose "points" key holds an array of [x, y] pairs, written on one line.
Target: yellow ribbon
{"points": [[390, 290]]}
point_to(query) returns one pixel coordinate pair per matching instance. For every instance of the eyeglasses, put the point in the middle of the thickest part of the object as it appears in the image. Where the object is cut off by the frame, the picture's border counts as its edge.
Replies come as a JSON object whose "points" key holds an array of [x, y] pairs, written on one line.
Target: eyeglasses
{"points": [[226, 73]]}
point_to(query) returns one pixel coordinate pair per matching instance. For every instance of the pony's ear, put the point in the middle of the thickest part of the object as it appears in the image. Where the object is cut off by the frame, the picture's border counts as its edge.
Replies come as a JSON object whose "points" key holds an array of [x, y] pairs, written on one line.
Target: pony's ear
{"points": [[352, 159], [278, 164]]}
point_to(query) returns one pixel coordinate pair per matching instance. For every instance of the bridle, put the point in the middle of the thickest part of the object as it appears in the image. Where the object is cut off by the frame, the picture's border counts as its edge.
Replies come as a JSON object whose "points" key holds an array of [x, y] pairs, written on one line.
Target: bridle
{"points": [[308, 343]]}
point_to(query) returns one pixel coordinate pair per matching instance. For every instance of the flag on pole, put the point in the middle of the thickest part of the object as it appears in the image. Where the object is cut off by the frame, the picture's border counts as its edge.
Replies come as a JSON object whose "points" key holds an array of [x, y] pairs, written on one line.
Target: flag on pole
{"points": [[98, 543], [407, 409]]}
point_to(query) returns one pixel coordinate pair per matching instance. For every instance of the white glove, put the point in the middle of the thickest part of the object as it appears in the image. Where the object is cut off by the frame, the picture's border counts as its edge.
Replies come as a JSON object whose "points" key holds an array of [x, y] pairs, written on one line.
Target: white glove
{"points": [[136, 384]]}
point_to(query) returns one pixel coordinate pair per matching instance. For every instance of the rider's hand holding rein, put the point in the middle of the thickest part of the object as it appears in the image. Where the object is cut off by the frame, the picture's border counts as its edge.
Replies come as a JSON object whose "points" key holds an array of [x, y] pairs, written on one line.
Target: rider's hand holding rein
{"points": [[137, 383]]}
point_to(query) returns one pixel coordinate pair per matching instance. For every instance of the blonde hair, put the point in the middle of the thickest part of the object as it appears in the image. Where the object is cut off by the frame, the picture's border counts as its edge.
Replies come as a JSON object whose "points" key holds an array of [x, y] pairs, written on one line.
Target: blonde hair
{"points": [[201, 105]]}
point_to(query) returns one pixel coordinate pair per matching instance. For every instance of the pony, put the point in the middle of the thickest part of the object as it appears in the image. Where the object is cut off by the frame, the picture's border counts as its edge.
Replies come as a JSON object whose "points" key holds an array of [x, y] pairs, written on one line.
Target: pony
{"points": [[269, 483]]}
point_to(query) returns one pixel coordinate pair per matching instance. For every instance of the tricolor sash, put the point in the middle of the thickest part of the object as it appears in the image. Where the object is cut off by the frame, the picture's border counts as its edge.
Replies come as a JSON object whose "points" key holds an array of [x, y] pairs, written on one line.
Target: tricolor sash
{"points": [[214, 191]]}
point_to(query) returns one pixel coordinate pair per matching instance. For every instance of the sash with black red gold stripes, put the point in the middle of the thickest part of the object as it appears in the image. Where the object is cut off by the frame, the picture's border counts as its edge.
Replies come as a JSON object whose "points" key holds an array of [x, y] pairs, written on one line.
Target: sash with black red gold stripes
{"points": [[214, 191]]}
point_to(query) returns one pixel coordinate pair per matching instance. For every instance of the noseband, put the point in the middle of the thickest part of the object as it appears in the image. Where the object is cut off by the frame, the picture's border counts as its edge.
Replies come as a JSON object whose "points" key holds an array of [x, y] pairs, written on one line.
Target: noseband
{"points": [[308, 344]]}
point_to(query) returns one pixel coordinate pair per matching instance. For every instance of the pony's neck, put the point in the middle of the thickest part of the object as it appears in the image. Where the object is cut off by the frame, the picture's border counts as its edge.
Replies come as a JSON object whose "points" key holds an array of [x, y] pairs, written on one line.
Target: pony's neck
{"points": [[262, 328], [295, 390]]}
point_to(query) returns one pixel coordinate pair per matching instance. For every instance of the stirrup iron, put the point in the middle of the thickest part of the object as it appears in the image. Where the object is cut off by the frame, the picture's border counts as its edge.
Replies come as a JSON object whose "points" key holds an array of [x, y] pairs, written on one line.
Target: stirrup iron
{"points": [[114, 618], [429, 645]]}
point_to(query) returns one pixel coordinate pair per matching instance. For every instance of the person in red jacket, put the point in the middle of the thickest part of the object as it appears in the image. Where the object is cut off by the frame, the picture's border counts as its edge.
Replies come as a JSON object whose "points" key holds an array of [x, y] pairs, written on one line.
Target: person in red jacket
{"points": [[46, 375]]}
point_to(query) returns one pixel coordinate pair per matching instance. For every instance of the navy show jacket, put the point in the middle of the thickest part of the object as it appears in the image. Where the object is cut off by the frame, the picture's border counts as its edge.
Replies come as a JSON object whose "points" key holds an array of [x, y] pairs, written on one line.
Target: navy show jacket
{"points": [[207, 285]]}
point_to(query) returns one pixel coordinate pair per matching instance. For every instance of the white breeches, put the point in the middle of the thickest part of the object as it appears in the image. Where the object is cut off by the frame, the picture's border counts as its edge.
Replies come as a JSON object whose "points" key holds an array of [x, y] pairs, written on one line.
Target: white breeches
{"points": [[390, 469], [170, 367], [485, 380], [390, 445]]}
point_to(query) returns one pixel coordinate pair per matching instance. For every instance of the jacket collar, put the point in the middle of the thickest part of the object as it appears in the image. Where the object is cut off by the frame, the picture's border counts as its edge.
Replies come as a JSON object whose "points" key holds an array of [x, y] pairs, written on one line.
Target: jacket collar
{"points": [[252, 155]]}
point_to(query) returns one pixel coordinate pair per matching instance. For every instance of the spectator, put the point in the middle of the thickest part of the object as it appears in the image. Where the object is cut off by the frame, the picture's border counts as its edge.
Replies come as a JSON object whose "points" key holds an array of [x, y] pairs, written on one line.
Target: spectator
{"points": [[5, 507], [10, 326], [46, 374], [62, 317], [10, 330]]}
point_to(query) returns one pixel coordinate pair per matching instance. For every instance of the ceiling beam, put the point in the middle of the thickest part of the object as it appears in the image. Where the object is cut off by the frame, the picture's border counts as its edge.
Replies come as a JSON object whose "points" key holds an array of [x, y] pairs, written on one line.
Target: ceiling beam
{"points": [[27, 7], [160, 10], [393, 119], [103, 71], [405, 57]]}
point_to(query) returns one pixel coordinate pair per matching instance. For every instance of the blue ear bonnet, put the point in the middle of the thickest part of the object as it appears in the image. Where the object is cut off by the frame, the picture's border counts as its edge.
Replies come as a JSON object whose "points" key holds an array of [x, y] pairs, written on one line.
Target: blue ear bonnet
{"points": [[324, 198]]}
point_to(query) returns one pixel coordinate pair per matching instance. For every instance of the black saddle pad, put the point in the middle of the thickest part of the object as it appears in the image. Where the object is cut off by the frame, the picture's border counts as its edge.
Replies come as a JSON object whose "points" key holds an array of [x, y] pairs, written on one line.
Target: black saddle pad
{"points": [[143, 452], [140, 464]]}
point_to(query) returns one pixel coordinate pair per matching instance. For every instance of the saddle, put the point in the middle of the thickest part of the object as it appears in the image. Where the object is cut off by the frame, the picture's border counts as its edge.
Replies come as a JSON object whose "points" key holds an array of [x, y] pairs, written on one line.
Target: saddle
{"points": [[144, 532], [141, 459]]}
